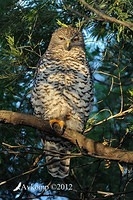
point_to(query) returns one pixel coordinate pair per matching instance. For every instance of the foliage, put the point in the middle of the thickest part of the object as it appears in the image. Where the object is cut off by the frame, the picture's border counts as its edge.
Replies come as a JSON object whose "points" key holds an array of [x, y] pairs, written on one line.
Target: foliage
{"points": [[26, 28]]}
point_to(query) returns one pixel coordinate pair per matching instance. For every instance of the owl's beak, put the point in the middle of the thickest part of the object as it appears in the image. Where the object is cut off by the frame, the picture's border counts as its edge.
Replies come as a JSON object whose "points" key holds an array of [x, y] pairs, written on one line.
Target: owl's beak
{"points": [[67, 46]]}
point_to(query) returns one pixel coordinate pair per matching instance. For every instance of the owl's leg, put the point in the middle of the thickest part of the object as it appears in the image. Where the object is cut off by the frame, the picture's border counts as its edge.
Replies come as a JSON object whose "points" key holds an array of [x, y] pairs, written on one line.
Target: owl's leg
{"points": [[58, 125]]}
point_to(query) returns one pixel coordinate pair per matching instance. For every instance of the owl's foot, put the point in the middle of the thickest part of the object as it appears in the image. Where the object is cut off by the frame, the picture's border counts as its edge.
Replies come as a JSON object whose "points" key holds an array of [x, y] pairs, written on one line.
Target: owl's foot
{"points": [[58, 125]]}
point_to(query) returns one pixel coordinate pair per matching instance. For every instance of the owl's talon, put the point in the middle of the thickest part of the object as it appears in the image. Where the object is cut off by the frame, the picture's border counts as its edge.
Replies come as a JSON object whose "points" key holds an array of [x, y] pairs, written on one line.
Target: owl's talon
{"points": [[57, 125], [57, 128]]}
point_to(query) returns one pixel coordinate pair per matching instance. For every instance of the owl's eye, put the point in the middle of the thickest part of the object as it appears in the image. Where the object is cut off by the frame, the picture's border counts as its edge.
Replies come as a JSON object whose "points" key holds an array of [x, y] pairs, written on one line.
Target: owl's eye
{"points": [[61, 38], [76, 38]]}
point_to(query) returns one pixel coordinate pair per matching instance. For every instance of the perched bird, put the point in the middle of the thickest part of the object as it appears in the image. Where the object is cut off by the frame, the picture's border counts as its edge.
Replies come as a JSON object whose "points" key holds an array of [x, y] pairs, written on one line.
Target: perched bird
{"points": [[62, 94]]}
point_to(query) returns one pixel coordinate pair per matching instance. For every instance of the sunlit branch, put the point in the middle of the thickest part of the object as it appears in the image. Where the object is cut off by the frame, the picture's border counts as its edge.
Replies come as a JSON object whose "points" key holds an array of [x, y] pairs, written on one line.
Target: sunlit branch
{"points": [[106, 17], [94, 149], [118, 115]]}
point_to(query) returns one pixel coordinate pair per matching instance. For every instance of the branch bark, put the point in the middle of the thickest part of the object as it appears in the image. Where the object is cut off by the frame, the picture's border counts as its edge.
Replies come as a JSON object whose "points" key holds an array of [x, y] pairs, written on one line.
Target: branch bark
{"points": [[94, 149], [106, 17]]}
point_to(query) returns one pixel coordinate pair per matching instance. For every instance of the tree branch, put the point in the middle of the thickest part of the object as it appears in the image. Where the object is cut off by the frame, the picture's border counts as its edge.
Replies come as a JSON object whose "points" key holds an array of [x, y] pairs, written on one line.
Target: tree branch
{"points": [[94, 149], [117, 115], [106, 17]]}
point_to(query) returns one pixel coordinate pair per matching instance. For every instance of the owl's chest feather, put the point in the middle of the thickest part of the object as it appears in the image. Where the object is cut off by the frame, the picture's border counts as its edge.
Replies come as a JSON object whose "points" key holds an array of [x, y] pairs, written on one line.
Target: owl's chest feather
{"points": [[64, 72]]}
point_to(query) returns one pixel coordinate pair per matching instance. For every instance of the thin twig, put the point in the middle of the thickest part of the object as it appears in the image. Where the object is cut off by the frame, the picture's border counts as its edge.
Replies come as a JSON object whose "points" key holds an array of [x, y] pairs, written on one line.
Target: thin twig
{"points": [[120, 114], [106, 17]]}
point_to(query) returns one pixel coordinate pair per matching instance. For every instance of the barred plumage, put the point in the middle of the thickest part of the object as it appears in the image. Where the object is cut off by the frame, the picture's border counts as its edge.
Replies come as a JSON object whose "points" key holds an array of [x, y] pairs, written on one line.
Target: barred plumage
{"points": [[63, 91]]}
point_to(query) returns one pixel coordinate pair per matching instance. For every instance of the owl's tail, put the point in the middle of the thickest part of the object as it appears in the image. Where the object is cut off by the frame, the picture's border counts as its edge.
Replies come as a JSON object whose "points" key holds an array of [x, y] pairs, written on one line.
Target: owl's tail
{"points": [[57, 158]]}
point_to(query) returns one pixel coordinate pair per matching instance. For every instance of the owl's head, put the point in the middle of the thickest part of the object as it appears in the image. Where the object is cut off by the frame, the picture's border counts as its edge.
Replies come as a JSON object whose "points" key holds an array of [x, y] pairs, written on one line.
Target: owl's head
{"points": [[66, 38]]}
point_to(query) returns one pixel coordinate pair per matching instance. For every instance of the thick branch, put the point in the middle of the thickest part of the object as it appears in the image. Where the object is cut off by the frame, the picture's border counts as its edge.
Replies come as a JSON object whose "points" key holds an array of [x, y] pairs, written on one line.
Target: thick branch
{"points": [[106, 17], [93, 148]]}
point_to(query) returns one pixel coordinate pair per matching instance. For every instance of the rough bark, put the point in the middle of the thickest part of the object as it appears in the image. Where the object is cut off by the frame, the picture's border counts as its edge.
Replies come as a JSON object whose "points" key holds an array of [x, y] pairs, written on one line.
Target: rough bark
{"points": [[93, 148]]}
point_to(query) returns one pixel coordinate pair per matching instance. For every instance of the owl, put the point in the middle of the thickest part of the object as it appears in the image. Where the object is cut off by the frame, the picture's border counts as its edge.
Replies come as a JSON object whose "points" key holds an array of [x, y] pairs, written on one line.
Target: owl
{"points": [[62, 94]]}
